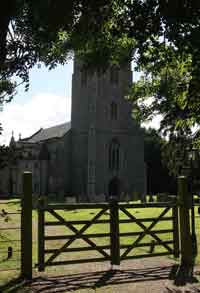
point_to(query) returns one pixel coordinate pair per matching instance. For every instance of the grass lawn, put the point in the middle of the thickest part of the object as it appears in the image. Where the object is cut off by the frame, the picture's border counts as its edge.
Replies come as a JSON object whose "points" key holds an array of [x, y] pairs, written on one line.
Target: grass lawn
{"points": [[9, 237]]}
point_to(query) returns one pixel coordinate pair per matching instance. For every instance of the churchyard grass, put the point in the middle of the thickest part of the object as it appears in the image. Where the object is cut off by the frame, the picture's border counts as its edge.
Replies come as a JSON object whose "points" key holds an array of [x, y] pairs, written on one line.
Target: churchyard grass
{"points": [[7, 265]]}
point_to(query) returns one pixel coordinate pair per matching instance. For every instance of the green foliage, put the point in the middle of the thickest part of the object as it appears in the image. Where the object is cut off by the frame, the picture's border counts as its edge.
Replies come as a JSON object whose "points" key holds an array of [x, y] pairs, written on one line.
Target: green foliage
{"points": [[4, 156], [159, 175], [163, 89], [163, 38], [9, 156], [175, 154]]}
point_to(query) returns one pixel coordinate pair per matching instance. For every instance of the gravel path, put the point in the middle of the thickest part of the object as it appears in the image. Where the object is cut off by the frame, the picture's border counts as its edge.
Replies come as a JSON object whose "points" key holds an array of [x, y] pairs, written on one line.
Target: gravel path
{"points": [[152, 275]]}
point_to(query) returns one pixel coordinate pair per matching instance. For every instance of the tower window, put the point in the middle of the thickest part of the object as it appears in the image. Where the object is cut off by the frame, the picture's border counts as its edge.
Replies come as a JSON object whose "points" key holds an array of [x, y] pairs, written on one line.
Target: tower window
{"points": [[113, 111], [114, 75], [114, 155]]}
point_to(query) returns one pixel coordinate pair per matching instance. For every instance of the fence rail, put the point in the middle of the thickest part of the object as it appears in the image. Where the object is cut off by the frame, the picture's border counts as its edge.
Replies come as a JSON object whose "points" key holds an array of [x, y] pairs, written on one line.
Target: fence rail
{"points": [[80, 206], [10, 240]]}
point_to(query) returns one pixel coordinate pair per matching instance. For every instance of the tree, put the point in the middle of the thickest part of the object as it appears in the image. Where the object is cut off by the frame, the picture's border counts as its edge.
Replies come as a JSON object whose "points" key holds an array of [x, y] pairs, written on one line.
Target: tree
{"points": [[163, 89], [159, 178], [149, 31], [43, 31], [4, 156], [163, 38]]}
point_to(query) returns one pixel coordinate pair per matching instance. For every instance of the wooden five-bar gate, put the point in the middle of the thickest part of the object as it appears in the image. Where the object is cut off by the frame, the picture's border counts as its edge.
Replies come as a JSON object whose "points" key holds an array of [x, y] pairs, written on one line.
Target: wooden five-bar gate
{"points": [[111, 216], [114, 231]]}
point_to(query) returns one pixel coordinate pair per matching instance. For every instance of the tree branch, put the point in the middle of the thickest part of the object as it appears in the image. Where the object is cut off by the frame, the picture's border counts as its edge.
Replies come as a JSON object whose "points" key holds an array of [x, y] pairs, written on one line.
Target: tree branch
{"points": [[7, 9]]}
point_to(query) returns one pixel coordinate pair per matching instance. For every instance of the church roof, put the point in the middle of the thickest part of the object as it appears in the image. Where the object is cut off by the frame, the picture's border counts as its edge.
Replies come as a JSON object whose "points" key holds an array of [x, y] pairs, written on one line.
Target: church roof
{"points": [[43, 134]]}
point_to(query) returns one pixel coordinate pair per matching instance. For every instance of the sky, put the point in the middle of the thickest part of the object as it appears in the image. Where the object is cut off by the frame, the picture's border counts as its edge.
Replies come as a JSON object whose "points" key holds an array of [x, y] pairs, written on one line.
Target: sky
{"points": [[47, 103]]}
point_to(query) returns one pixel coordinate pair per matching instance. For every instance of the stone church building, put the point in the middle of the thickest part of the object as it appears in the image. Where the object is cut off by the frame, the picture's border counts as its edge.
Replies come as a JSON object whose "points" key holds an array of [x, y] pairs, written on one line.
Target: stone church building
{"points": [[99, 153]]}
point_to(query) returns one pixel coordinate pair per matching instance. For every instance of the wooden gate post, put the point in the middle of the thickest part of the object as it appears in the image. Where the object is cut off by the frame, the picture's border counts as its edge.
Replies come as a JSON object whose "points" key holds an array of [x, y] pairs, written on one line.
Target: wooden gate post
{"points": [[114, 232], [175, 230], [41, 223], [184, 201], [26, 227]]}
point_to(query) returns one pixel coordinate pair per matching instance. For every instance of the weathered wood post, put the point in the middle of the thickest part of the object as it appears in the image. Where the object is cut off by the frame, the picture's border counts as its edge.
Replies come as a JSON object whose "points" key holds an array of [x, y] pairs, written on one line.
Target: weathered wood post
{"points": [[184, 201], [26, 227], [114, 232], [175, 227], [41, 260]]}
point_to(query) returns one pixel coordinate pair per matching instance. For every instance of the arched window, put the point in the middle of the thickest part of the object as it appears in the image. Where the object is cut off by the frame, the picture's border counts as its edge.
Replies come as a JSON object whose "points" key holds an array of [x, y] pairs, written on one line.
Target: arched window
{"points": [[114, 75], [114, 155], [113, 111]]}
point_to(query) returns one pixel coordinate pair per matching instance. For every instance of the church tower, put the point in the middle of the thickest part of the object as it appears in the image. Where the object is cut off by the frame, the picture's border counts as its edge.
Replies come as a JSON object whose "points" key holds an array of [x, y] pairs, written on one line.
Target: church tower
{"points": [[107, 145]]}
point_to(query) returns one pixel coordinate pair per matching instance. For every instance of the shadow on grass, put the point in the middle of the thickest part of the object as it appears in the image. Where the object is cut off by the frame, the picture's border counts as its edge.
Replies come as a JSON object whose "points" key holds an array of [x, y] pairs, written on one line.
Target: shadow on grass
{"points": [[93, 280]]}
